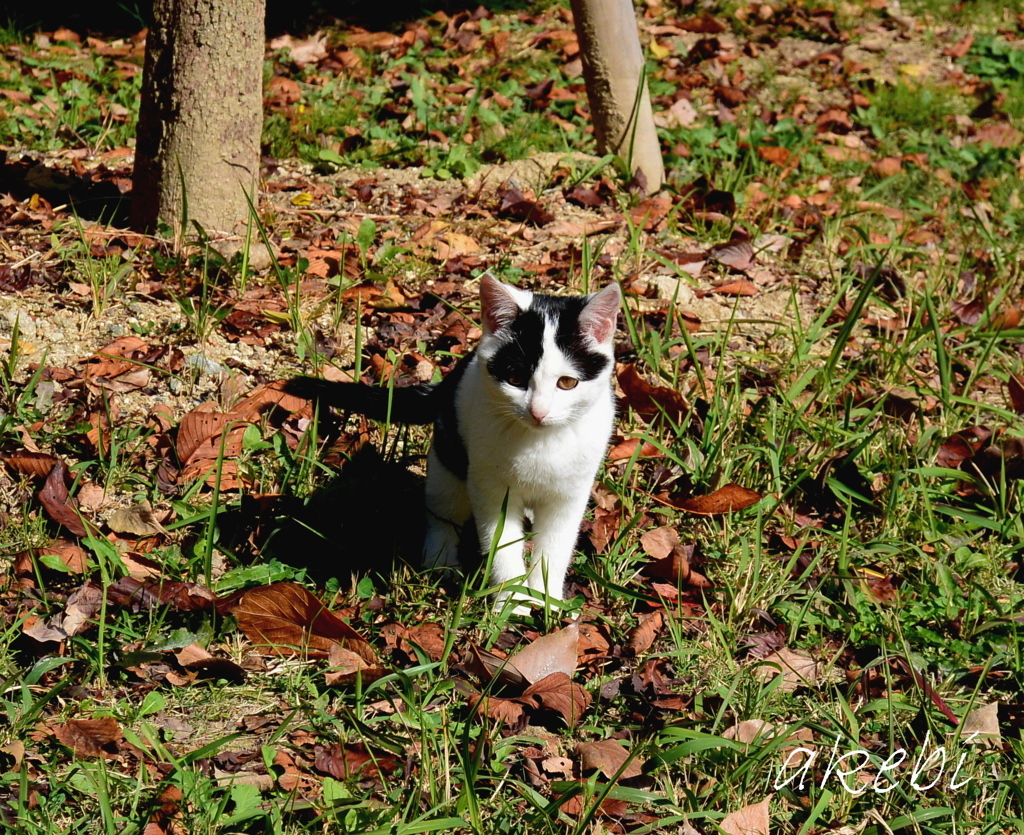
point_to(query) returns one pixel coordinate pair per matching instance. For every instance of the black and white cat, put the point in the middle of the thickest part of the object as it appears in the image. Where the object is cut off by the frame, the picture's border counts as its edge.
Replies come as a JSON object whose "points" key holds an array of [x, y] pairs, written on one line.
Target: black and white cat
{"points": [[528, 415]]}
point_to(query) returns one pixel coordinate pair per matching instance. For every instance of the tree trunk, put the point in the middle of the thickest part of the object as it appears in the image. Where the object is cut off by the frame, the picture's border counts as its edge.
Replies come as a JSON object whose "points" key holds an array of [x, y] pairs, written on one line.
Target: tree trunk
{"points": [[612, 67], [200, 116]]}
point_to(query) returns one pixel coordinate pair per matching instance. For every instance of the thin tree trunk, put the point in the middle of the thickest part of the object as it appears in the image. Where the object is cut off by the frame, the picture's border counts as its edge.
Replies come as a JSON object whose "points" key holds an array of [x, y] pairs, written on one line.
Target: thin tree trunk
{"points": [[200, 116], [619, 102]]}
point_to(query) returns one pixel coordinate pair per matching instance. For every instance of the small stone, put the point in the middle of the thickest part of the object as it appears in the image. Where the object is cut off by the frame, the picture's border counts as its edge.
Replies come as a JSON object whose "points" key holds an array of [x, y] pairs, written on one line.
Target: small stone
{"points": [[204, 365], [26, 324]]}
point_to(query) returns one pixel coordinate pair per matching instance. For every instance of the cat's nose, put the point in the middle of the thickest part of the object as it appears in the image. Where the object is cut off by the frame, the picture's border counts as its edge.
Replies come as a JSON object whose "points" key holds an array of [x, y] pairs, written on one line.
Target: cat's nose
{"points": [[538, 413]]}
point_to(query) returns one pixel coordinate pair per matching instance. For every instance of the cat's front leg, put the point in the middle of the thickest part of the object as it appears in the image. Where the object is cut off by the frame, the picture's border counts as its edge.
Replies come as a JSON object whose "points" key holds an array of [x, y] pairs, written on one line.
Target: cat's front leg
{"points": [[504, 533], [556, 527], [448, 509]]}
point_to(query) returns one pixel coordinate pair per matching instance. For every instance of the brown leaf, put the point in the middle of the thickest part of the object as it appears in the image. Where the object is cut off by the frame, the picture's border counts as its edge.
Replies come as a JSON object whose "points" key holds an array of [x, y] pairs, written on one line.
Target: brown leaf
{"points": [[646, 632], [887, 166], [507, 711], [137, 520], [35, 464], [675, 567], [87, 737], [555, 652], [120, 356], [750, 730], [265, 399], [43, 631], [1015, 385], [607, 756], [736, 254], [605, 527], [704, 24], [999, 134], [741, 287], [347, 666], [724, 500], [55, 499], [650, 212], [143, 594], [628, 447], [84, 604], [774, 154], [487, 665], [588, 198], [659, 542], [343, 761], [798, 668], [1006, 320], [962, 445], [200, 431], [429, 637], [195, 659], [558, 693], [649, 401], [750, 820], [71, 555], [984, 721], [960, 48], [516, 206], [286, 619]]}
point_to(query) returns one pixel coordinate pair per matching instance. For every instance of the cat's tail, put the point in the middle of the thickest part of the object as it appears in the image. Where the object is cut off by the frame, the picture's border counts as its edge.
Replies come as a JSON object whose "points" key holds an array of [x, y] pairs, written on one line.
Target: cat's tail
{"points": [[407, 404]]}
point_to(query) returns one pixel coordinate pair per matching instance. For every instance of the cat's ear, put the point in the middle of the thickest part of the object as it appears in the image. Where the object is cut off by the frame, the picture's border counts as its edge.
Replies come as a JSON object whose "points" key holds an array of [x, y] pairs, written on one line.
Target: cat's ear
{"points": [[500, 304], [598, 318]]}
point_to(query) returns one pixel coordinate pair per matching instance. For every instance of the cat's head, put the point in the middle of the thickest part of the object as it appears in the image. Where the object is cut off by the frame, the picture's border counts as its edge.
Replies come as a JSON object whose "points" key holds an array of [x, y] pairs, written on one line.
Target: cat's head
{"points": [[548, 358]]}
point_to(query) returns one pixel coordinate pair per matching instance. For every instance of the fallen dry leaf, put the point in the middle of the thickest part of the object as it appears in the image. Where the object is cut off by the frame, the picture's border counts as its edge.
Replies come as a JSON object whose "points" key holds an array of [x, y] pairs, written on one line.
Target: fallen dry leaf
{"points": [[659, 542], [607, 756], [645, 632], [741, 287], [558, 693], [984, 721], [83, 605], [73, 557], [137, 520], [87, 737], [487, 665], [726, 499], [962, 445], [649, 401], [286, 619], [55, 499], [554, 652], [750, 820], [347, 666], [750, 730], [145, 594], [1016, 391], [739, 255], [35, 464], [627, 448], [798, 668]]}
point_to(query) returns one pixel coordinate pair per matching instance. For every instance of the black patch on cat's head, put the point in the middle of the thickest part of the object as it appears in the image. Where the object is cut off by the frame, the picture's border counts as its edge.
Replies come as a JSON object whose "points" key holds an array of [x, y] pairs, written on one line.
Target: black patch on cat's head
{"points": [[565, 311], [521, 352], [523, 346]]}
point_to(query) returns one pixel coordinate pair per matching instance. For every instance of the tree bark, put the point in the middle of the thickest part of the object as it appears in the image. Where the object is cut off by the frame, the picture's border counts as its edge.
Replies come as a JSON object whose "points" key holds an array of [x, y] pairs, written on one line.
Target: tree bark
{"points": [[200, 116], [612, 68]]}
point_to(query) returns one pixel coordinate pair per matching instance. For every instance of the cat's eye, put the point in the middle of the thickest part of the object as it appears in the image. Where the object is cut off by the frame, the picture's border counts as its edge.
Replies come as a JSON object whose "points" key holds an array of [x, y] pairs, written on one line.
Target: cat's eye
{"points": [[566, 383], [517, 379]]}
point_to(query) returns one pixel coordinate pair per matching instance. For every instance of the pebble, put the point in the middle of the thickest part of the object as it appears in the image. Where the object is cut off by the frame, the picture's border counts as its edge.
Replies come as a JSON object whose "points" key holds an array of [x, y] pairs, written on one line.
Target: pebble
{"points": [[203, 364], [26, 324]]}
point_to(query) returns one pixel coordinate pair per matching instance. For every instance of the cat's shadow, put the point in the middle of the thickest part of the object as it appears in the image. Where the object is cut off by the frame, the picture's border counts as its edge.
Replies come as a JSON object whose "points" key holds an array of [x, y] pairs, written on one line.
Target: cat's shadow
{"points": [[369, 518]]}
